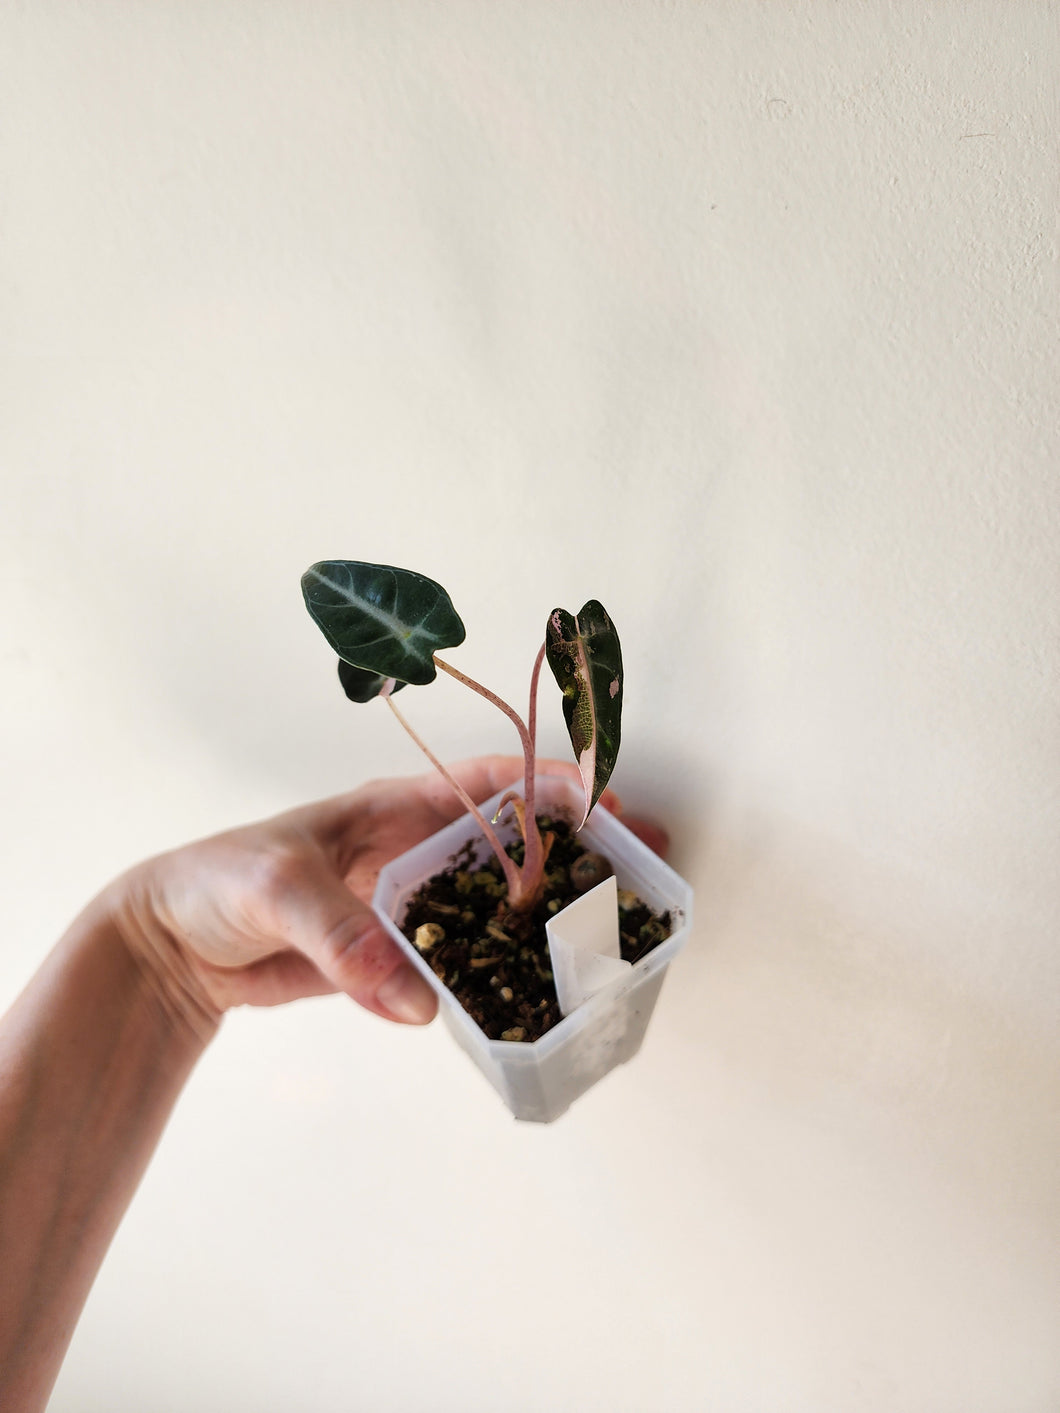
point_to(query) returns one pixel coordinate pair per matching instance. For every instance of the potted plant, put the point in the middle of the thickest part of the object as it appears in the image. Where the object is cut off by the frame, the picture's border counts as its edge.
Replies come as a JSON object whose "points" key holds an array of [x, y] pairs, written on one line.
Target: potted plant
{"points": [[544, 925]]}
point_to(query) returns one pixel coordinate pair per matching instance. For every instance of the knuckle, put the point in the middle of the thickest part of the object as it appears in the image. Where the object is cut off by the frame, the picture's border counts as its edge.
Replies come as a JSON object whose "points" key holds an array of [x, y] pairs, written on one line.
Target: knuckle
{"points": [[357, 948], [278, 874]]}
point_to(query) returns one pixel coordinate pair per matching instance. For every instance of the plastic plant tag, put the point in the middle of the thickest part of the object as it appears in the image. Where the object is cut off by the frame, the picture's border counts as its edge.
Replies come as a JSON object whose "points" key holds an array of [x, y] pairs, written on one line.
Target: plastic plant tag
{"points": [[584, 947]]}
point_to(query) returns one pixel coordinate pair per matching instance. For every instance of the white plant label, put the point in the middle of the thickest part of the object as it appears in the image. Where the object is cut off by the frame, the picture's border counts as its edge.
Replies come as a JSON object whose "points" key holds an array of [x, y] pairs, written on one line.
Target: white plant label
{"points": [[584, 947]]}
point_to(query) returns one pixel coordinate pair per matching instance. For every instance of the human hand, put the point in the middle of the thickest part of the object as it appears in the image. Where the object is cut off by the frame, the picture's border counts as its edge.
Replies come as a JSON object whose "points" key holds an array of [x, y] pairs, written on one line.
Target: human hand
{"points": [[281, 910]]}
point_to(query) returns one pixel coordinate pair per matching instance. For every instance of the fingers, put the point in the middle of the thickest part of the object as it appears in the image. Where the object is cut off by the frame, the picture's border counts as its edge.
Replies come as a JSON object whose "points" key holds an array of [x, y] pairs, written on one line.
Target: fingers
{"points": [[656, 839], [281, 977], [480, 776], [488, 774], [483, 776], [317, 915], [358, 957]]}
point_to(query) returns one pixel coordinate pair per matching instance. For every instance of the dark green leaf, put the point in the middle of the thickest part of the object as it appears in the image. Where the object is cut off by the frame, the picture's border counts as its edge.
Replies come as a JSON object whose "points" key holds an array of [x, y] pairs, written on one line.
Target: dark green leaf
{"points": [[586, 660], [362, 686], [387, 621]]}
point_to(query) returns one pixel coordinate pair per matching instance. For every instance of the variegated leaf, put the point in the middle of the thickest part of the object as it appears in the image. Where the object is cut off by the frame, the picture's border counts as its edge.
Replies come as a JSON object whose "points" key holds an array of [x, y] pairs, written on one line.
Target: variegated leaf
{"points": [[586, 660]]}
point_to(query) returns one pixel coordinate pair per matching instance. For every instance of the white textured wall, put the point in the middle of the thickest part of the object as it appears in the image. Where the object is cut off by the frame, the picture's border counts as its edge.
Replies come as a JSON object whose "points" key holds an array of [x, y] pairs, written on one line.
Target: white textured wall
{"points": [[742, 318]]}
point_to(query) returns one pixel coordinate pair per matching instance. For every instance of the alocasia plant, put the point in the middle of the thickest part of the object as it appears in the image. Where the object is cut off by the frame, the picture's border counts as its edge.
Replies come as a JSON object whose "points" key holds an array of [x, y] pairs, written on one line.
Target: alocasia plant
{"points": [[388, 625]]}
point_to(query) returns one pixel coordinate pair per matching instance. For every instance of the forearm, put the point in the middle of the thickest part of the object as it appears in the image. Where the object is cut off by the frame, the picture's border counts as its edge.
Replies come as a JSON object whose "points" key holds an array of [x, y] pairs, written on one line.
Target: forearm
{"points": [[92, 1058]]}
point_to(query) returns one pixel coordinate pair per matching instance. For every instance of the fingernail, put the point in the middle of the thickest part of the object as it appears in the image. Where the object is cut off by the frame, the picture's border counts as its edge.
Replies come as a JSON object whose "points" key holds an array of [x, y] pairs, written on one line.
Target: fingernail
{"points": [[407, 996]]}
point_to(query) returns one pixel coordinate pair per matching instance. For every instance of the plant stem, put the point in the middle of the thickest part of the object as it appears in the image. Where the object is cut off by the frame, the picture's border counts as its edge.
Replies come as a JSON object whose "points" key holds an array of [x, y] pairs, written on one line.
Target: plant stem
{"points": [[510, 713], [511, 872], [535, 855], [534, 858], [532, 716]]}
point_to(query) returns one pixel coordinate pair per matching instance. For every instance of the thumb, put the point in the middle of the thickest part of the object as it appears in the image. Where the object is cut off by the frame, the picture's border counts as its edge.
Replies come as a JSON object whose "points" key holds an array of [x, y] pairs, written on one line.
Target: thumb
{"points": [[344, 940]]}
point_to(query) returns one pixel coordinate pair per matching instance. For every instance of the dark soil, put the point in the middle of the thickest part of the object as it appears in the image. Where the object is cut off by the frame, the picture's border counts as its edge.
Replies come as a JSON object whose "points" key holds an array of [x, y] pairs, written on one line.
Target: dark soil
{"points": [[496, 962]]}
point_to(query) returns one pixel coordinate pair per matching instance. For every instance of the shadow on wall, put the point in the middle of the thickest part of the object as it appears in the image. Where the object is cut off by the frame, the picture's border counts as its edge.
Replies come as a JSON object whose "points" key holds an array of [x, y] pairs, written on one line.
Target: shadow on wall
{"points": [[808, 984], [234, 667], [672, 790]]}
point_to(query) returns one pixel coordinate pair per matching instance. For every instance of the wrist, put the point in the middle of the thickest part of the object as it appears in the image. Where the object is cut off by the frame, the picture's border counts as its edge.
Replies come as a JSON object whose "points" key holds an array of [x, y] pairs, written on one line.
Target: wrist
{"points": [[166, 975]]}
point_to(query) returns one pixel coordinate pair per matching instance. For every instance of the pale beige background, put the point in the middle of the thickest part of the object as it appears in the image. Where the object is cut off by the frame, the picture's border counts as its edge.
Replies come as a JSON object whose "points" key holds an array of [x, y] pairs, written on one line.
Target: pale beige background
{"points": [[739, 317]]}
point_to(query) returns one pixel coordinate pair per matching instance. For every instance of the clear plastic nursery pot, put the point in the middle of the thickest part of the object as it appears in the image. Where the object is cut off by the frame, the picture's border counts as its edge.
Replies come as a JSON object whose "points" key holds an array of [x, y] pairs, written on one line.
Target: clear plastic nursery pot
{"points": [[539, 1081]]}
